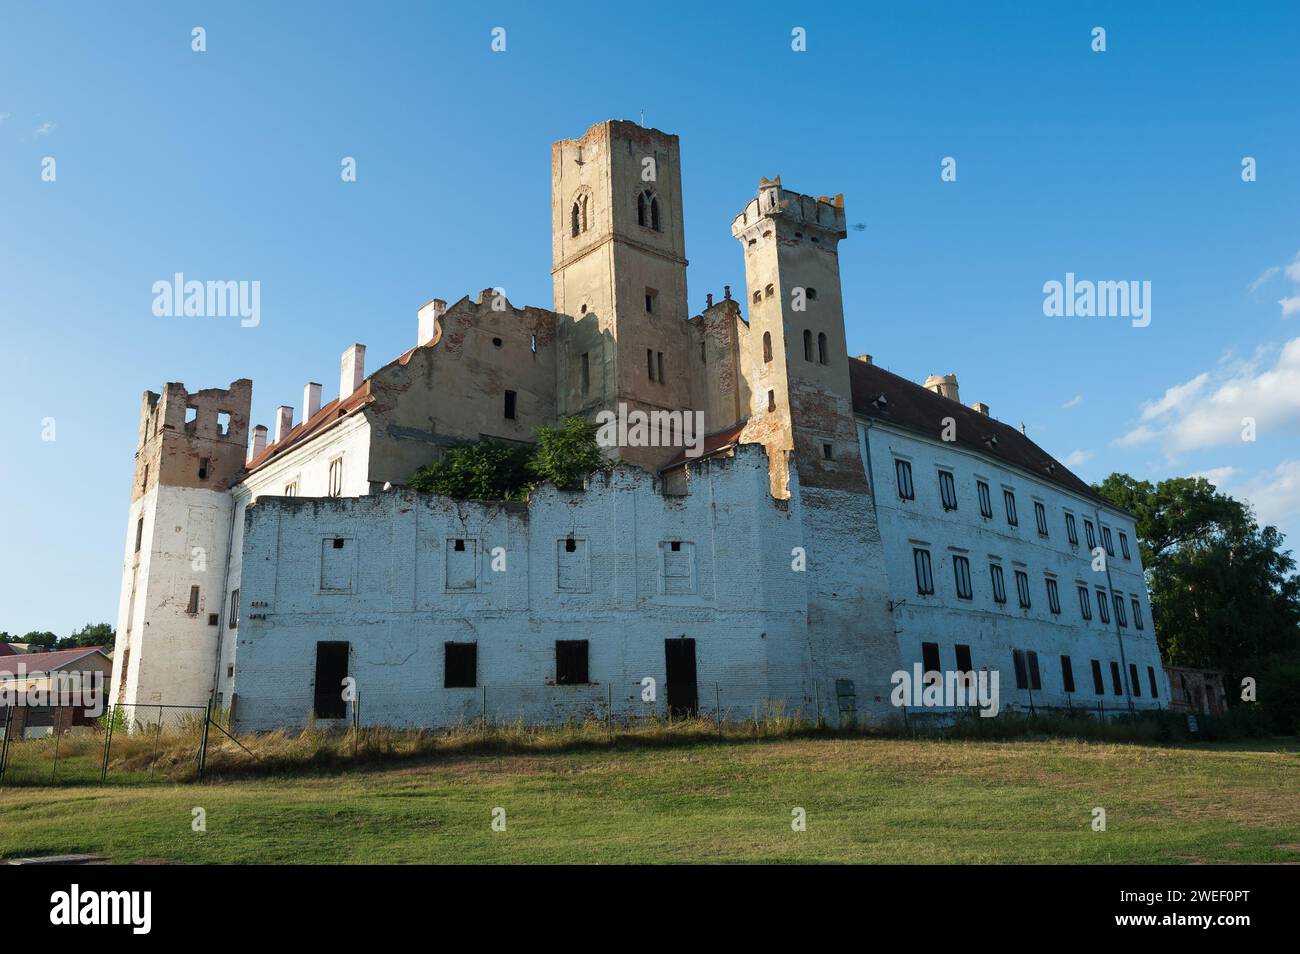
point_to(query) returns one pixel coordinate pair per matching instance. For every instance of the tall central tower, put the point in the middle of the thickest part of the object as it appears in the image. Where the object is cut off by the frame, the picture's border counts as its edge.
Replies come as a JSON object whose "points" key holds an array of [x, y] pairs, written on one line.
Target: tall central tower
{"points": [[619, 270]]}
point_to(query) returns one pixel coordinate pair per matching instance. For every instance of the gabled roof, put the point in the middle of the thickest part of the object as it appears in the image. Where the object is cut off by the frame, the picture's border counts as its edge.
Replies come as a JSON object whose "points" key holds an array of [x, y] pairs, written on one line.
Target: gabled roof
{"points": [[910, 406], [319, 421], [36, 663]]}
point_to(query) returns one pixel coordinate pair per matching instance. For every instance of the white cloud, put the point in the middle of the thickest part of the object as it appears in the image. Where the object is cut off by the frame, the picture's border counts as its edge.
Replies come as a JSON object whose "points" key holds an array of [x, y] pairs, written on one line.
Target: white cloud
{"points": [[1073, 402], [1076, 458], [44, 129], [1219, 476], [1264, 276], [1293, 268], [1275, 494], [1208, 410], [1290, 305], [1175, 397]]}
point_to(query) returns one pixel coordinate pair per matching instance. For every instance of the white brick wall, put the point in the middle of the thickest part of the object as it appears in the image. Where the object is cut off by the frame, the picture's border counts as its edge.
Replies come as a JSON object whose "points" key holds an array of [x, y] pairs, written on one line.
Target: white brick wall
{"points": [[748, 613]]}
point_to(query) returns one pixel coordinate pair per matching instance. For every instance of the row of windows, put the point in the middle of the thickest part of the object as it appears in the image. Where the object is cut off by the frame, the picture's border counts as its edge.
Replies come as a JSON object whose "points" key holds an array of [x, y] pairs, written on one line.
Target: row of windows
{"points": [[823, 352], [459, 671], [924, 568], [948, 497], [647, 213], [1025, 664]]}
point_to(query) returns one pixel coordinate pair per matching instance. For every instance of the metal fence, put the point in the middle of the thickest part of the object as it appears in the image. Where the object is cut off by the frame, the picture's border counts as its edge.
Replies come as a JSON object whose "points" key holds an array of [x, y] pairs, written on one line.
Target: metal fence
{"points": [[138, 744]]}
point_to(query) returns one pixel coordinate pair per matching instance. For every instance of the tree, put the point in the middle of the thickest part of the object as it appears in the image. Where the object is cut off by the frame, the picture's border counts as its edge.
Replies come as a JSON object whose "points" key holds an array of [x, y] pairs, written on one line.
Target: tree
{"points": [[567, 455], [41, 640], [486, 470], [92, 634], [1224, 592], [493, 470]]}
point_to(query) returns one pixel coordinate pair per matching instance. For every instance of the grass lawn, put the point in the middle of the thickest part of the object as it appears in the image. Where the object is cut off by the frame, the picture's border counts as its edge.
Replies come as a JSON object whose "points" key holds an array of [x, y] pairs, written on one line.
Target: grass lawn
{"points": [[867, 800]]}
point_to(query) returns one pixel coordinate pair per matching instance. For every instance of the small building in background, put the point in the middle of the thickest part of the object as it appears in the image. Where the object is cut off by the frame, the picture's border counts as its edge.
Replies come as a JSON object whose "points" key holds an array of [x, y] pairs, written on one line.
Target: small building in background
{"points": [[1199, 691], [37, 675]]}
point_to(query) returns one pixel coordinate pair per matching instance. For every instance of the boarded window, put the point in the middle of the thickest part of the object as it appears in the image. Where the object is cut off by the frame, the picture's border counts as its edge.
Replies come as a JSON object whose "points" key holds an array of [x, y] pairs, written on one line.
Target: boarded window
{"points": [[462, 564], [1067, 674], [930, 660], [193, 607], [572, 567], [1035, 680], [460, 665], [331, 670], [1151, 675], [1022, 671], [1134, 681], [571, 662], [677, 575], [336, 563], [1116, 680], [1098, 684]]}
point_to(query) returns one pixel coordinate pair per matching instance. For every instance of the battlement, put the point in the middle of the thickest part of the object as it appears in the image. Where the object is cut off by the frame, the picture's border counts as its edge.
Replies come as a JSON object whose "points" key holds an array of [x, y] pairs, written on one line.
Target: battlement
{"points": [[793, 209], [192, 439]]}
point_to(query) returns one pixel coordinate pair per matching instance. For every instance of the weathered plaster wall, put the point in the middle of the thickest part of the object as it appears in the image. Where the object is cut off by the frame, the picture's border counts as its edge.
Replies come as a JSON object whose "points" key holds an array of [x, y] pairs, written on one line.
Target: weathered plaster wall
{"points": [[747, 610], [993, 630]]}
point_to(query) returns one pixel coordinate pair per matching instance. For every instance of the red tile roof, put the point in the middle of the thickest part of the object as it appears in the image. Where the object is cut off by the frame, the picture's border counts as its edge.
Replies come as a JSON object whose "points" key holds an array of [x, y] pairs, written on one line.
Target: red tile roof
{"points": [[910, 406], [713, 443], [34, 663]]}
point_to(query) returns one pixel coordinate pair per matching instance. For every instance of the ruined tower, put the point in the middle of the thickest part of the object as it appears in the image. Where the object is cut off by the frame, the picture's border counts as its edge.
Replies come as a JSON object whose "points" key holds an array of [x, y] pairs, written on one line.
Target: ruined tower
{"points": [[797, 361], [189, 452], [619, 270]]}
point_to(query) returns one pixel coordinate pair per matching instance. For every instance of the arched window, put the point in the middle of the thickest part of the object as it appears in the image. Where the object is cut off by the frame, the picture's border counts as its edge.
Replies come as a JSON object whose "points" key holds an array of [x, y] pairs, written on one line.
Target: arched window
{"points": [[578, 224], [647, 210], [767, 346], [807, 345], [821, 348]]}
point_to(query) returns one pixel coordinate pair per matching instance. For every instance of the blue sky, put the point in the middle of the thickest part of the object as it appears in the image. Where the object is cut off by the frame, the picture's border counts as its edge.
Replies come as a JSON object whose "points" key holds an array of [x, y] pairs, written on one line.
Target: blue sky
{"points": [[1122, 165]]}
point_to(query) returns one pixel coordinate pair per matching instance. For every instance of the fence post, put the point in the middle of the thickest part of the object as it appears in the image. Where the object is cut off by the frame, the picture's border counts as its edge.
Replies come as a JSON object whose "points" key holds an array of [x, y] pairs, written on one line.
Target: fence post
{"points": [[157, 740], [609, 711], [482, 720], [108, 742], [356, 721], [817, 702], [203, 741], [4, 744], [58, 738], [717, 705]]}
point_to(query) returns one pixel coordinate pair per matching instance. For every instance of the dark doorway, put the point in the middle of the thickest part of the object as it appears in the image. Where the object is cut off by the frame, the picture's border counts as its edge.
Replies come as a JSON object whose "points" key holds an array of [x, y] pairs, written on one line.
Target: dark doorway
{"points": [[331, 670], [683, 693]]}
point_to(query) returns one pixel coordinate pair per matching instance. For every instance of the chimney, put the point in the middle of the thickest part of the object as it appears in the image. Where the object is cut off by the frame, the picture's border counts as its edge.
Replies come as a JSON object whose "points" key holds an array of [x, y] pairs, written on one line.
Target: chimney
{"points": [[708, 300], [429, 315], [865, 358], [310, 401], [943, 385], [981, 407], [352, 370], [259, 441], [283, 422]]}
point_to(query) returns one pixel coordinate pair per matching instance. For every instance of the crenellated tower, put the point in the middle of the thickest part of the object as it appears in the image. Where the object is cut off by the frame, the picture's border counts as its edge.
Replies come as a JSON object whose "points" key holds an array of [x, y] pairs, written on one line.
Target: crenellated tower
{"points": [[189, 453]]}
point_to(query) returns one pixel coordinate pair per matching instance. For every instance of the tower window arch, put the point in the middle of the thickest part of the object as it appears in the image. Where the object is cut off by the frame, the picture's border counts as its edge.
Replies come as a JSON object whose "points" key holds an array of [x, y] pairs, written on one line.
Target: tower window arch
{"points": [[578, 216], [767, 347], [821, 348], [647, 210], [807, 345]]}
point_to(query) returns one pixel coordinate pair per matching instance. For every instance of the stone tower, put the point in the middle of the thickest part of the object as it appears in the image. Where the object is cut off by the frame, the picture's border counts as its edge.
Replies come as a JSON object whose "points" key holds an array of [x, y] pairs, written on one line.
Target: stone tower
{"points": [[619, 270], [190, 451], [797, 361]]}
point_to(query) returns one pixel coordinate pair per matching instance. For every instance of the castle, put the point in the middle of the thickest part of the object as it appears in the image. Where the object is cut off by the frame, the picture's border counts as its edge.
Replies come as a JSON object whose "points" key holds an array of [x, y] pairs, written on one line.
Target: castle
{"points": [[837, 523]]}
